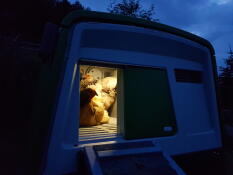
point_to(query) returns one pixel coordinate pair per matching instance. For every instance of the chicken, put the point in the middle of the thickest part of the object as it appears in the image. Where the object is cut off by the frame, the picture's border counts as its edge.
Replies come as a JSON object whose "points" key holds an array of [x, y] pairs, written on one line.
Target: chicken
{"points": [[108, 99], [87, 117], [101, 114], [96, 97], [105, 118], [97, 87], [86, 95], [92, 111], [108, 91], [108, 83], [87, 80]]}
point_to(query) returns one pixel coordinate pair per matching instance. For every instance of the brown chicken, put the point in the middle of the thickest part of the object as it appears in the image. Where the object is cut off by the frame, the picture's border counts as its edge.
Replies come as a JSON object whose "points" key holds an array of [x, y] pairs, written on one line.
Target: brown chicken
{"points": [[86, 95], [101, 114], [87, 80], [92, 110], [86, 111]]}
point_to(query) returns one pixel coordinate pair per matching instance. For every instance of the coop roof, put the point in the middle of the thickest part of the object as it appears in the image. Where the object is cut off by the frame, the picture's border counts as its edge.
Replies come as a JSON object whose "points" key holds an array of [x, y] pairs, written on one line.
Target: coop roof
{"points": [[92, 16]]}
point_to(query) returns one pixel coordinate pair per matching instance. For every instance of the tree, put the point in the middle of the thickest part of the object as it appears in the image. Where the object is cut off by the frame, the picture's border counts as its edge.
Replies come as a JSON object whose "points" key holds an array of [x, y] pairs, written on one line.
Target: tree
{"points": [[78, 6], [132, 8], [226, 82], [26, 18], [61, 8], [227, 71]]}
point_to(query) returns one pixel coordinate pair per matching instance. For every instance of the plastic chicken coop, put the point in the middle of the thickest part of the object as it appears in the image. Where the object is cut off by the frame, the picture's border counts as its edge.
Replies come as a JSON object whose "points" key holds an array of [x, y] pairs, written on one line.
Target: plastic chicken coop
{"points": [[116, 79]]}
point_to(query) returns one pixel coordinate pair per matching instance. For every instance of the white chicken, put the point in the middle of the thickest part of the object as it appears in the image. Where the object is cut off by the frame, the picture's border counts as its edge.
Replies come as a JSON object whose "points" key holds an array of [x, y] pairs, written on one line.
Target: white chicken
{"points": [[108, 83], [108, 91], [97, 87], [108, 98]]}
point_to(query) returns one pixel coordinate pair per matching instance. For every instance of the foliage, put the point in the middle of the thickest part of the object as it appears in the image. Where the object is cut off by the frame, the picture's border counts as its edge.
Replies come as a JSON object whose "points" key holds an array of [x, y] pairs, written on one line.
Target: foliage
{"points": [[132, 8], [226, 82], [226, 75], [25, 19], [62, 8]]}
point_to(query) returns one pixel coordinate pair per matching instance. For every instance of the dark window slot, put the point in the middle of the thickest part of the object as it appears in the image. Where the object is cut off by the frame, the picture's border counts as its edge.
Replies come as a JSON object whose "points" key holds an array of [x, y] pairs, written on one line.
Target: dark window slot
{"points": [[188, 76]]}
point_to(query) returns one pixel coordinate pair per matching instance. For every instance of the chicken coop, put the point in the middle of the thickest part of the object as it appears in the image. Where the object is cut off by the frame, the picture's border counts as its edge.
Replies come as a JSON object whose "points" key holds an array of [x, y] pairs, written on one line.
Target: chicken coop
{"points": [[116, 79]]}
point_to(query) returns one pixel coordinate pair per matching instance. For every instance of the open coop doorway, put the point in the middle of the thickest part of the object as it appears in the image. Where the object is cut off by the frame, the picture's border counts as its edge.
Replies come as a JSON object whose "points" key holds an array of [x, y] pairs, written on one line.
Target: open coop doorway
{"points": [[98, 116]]}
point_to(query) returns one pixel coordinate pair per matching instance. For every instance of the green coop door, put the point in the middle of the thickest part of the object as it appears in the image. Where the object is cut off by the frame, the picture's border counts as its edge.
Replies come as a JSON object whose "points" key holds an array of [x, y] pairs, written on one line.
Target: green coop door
{"points": [[148, 110]]}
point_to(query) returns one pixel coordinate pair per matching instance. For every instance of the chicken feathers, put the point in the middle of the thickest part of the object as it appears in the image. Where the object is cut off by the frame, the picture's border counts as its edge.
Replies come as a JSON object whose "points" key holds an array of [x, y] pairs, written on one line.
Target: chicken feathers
{"points": [[96, 97]]}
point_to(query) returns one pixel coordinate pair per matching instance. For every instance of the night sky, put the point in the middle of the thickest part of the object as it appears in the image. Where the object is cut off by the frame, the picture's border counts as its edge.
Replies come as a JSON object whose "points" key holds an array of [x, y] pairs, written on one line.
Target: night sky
{"points": [[210, 19]]}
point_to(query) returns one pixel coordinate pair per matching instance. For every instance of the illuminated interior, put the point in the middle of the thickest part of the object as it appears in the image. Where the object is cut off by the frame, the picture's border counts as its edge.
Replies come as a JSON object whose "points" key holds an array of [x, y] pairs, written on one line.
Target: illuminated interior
{"points": [[98, 103]]}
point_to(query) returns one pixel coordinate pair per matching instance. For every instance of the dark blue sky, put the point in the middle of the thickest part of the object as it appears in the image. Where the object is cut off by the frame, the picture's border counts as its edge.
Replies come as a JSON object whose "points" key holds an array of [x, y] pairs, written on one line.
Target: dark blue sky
{"points": [[210, 19]]}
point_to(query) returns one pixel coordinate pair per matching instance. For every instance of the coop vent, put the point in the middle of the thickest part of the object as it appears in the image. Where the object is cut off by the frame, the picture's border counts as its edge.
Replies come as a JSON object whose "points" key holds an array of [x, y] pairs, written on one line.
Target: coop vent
{"points": [[188, 76]]}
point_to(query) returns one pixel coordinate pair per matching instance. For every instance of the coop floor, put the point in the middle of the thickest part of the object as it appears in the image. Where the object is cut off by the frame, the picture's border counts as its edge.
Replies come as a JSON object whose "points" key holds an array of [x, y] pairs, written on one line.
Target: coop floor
{"points": [[99, 132]]}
